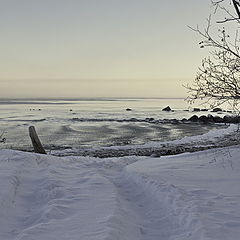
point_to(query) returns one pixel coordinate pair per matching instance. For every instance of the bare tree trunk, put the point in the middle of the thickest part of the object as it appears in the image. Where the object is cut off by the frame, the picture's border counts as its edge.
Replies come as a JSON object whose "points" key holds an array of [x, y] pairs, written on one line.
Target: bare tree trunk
{"points": [[38, 148]]}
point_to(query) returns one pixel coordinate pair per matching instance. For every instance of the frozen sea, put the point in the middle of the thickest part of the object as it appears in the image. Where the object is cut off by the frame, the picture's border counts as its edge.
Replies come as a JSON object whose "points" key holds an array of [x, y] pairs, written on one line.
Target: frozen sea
{"points": [[84, 123]]}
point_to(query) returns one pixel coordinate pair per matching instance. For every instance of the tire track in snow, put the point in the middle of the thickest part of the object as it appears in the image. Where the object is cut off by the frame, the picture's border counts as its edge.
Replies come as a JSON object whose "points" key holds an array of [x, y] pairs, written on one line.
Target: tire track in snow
{"points": [[151, 217], [141, 213]]}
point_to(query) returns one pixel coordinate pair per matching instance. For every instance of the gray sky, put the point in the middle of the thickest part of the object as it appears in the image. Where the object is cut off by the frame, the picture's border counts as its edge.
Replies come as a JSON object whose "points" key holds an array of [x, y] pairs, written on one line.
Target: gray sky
{"points": [[99, 48]]}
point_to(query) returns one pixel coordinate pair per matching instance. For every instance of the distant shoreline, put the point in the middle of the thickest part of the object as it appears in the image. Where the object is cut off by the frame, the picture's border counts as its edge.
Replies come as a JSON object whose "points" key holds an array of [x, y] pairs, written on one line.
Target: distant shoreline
{"points": [[89, 99]]}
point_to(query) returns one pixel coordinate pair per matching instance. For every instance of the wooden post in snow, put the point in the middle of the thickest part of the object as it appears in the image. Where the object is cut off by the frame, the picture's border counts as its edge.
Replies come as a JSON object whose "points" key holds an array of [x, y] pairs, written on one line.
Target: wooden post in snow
{"points": [[38, 148]]}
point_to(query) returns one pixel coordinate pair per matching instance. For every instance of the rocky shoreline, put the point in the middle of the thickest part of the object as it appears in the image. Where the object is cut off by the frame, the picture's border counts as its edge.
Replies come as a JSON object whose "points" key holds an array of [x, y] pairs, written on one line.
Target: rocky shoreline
{"points": [[207, 119]]}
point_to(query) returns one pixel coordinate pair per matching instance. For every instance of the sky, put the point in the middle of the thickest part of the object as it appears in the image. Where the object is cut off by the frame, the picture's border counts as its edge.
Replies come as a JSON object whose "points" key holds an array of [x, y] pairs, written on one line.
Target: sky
{"points": [[93, 48]]}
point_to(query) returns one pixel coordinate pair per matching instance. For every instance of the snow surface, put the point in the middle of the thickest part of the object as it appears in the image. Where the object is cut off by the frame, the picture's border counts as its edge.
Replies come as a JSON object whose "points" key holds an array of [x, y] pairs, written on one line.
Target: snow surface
{"points": [[191, 196]]}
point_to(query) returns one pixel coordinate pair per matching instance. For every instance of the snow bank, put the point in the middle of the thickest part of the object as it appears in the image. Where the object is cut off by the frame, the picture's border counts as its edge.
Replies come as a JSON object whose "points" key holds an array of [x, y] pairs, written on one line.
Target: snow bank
{"points": [[44, 197], [185, 197], [200, 191]]}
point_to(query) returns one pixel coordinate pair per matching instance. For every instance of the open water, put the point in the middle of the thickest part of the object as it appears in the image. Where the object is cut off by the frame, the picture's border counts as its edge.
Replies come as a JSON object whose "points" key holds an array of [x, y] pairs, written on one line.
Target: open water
{"points": [[87, 123]]}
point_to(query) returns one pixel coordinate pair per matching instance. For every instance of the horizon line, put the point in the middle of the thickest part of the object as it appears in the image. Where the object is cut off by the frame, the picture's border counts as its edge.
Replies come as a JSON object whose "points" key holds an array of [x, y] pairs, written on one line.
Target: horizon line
{"points": [[84, 98]]}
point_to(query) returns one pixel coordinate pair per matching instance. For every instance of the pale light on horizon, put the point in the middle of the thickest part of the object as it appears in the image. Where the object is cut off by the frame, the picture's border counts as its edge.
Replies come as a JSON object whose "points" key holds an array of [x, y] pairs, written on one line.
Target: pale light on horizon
{"points": [[90, 49]]}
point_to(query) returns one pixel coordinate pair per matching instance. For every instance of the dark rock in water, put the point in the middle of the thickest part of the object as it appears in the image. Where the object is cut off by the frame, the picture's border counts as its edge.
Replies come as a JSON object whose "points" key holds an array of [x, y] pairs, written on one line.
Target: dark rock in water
{"points": [[236, 119], [186, 110], [217, 110], [194, 118], [76, 119], [210, 118], [149, 119], [231, 119], [204, 110], [218, 119], [174, 120], [70, 110], [128, 109], [196, 110], [227, 119], [203, 119], [133, 120], [167, 109]]}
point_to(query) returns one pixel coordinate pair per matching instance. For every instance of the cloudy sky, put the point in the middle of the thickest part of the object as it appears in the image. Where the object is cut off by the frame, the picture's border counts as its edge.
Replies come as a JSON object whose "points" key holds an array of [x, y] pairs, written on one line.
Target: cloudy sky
{"points": [[99, 48]]}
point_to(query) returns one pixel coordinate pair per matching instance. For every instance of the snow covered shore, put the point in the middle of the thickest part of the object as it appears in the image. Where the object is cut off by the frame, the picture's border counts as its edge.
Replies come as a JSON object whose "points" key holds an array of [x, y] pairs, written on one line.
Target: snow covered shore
{"points": [[190, 196], [199, 192]]}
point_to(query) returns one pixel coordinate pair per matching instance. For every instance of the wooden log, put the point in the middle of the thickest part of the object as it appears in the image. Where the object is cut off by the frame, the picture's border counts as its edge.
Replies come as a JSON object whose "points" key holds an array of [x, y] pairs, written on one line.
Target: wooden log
{"points": [[38, 148]]}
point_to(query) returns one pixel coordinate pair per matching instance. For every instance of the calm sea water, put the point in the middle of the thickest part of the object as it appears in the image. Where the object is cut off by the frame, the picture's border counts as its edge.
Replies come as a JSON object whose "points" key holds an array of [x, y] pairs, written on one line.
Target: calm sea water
{"points": [[89, 123]]}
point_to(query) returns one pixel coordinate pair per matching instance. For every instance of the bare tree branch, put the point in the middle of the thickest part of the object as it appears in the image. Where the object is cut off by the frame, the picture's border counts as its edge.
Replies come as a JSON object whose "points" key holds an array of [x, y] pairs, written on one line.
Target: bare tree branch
{"points": [[236, 6], [218, 79]]}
